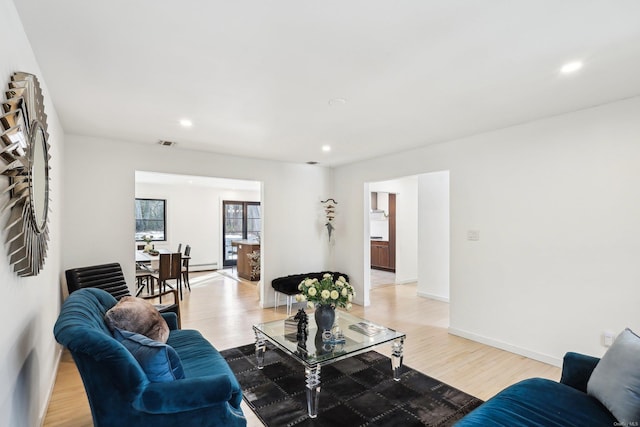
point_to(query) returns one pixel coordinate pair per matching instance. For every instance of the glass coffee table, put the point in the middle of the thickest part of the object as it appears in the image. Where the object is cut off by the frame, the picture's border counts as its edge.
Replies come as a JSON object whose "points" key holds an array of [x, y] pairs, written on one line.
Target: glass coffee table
{"points": [[359, 335]]}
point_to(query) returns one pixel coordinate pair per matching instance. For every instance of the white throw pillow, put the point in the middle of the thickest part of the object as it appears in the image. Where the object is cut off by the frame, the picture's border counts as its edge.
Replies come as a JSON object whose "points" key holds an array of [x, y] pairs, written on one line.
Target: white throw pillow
{"points": [[615, 381]]}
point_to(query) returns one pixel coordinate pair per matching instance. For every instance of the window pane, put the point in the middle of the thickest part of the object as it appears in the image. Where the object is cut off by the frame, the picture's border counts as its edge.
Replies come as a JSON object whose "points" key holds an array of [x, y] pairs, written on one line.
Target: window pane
{"points": [[234, 226], [253, 211], [253, 221], [234, 211], [253, 225], [150, 219]]}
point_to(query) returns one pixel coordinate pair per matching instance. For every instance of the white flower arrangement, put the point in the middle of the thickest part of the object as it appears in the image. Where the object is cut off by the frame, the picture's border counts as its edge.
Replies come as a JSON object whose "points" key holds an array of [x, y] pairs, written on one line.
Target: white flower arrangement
{"points": [[338, 293]]}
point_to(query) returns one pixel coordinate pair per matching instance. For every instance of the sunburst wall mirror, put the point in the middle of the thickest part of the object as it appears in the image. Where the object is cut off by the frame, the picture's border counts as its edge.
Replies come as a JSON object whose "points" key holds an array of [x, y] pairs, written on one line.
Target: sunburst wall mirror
{"points": [[24, 149]]}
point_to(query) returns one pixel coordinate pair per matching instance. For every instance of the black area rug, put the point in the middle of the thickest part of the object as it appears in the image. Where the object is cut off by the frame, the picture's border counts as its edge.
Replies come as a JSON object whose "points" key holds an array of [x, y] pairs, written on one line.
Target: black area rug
{"points": [[358, 391]]}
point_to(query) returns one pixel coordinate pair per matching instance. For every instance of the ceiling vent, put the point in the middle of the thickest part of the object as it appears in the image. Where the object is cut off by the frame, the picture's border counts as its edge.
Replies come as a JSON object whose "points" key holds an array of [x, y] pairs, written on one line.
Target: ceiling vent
{"points": [[166, 143]]}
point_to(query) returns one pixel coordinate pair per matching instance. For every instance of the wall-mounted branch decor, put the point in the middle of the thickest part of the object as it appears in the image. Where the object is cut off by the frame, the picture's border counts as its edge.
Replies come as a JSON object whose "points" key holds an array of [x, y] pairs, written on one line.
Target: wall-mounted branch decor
{"points": [[25, 152], [330, 214]]}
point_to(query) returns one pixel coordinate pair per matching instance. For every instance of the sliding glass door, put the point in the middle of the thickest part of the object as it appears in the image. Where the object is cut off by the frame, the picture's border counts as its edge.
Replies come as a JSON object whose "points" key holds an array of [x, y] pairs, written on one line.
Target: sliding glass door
{"points": [[241, 221]]}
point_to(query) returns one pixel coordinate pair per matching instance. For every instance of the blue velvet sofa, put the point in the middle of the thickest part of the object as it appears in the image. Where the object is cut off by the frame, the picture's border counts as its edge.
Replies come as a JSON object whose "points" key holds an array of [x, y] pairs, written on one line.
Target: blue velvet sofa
{"points": [[119, 391], [542, 402]]}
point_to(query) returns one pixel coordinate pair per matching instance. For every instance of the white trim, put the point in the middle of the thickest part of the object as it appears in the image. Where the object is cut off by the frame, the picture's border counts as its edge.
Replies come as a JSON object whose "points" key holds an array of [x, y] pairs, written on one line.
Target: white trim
{"points": [[433, 296], [52, 384], [406, 282], [545, 358]]}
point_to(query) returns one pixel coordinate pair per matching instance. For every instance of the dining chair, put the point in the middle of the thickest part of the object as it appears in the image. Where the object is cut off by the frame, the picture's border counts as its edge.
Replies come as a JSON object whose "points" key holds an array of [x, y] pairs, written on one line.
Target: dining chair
{"points": [[185, 266], [143, 278], [179, 247], [169, 268]]}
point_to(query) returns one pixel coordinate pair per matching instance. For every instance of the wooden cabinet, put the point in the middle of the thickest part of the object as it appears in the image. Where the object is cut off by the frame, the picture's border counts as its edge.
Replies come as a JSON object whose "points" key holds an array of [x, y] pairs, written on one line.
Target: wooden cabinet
{"points": [[380, 257], [383, 252], [243, 263]]}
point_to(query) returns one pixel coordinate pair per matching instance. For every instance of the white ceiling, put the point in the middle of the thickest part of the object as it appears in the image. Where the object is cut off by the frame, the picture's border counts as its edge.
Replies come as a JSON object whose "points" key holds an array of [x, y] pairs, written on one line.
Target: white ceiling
{"points": [[256, 76], [143, 177]]}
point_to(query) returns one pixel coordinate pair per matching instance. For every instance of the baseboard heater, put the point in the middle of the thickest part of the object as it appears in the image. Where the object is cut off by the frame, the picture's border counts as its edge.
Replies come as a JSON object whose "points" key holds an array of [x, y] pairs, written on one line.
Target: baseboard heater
{"points": [[203, 267]]}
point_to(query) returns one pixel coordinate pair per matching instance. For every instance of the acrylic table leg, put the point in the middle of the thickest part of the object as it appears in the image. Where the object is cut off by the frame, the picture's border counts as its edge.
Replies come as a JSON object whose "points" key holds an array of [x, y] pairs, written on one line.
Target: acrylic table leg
{"points": [[261, 346], [396, 358], [313, 390]]}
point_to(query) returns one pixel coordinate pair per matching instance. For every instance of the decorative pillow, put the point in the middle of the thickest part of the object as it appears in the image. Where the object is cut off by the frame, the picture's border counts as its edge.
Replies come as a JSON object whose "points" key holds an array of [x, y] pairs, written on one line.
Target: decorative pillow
{"points": [[137, 315], [159, 361], [615, 381]]}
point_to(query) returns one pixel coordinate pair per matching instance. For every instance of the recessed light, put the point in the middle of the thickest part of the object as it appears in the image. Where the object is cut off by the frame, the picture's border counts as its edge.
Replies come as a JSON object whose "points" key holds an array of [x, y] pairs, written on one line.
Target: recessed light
{"points": [[186, 123], [571, 67], [337, 101], [326, 148]]}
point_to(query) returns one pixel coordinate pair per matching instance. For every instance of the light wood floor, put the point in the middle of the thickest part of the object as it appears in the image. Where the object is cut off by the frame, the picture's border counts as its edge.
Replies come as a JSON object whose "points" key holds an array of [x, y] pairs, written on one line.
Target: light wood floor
{"points": [[223, 310], [382, 278]]}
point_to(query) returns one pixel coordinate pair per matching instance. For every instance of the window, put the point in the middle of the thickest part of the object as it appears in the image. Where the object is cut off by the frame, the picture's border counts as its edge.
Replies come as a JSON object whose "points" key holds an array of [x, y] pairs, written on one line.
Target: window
{"points": [[151, 219]]}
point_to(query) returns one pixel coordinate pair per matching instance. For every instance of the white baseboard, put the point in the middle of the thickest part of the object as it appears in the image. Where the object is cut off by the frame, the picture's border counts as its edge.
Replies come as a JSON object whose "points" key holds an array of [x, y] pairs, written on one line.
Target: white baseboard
{"points": [[406, 282], [433, 296], [56, 363], [545, 358]]}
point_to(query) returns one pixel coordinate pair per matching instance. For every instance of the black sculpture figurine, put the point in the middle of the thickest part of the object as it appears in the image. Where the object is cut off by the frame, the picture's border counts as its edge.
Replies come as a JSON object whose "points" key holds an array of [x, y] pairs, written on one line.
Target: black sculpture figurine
{"points": [[303, 330]]}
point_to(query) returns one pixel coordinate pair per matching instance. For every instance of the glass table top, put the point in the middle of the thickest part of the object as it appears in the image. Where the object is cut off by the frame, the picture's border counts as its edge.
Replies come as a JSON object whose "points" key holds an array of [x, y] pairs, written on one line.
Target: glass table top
{"points": [[359, 335]]}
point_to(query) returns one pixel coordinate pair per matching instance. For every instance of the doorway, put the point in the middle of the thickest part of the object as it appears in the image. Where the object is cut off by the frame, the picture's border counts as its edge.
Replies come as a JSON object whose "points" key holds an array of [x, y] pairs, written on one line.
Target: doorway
{"points": [[382, 219], [189, 194], [421, 233], [241, 221]]}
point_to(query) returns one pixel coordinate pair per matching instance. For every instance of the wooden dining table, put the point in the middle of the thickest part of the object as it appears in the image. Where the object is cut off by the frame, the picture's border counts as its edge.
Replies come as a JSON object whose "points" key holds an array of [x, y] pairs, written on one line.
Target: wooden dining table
{"points": [[142, 256]]}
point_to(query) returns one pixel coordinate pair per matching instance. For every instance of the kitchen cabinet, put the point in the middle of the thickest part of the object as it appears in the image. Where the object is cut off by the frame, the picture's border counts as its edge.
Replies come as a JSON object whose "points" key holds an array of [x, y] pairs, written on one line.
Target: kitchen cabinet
{"points": [[245, 270], [383, 248], [380, 256]]}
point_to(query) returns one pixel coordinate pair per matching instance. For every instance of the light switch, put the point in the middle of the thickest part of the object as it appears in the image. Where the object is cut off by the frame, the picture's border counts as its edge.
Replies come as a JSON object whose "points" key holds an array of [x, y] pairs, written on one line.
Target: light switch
{"points": [[473, 235]]}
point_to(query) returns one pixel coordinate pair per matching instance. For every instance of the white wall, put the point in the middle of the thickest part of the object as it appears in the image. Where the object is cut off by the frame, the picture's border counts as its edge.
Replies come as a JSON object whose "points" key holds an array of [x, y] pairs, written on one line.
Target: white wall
{"points": [[100, 184], [29, 353], [194, 217], [433, 234], [556, 204]]}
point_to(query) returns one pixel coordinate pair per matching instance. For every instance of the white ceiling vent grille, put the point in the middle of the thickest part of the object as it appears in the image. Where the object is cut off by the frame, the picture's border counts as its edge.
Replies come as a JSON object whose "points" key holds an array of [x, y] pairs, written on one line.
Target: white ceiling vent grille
{"points": [[166, 143]]}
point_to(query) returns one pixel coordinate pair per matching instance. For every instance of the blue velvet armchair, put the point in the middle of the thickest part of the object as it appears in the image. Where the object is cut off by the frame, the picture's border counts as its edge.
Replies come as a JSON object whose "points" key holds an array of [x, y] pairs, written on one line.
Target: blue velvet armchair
{"points": [[119, 391]]}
